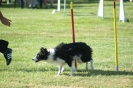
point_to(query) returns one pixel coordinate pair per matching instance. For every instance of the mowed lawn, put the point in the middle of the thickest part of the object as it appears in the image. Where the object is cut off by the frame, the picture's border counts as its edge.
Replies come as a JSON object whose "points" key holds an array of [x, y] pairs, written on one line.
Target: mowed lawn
{"points": [[35, 28]]}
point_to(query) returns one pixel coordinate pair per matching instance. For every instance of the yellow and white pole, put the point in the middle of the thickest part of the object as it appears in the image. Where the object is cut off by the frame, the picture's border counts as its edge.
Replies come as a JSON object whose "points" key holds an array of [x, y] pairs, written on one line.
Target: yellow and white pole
{"points": [[115, 37]]}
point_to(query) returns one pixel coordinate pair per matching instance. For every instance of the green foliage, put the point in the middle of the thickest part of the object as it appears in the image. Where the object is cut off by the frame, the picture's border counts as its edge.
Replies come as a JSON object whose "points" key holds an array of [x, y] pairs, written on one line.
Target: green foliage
{"points": [[34, 28]]}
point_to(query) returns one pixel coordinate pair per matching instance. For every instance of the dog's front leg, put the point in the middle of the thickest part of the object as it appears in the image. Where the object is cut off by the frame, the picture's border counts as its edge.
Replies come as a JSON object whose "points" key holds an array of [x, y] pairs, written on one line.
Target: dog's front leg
{"points": [[60, 70]]}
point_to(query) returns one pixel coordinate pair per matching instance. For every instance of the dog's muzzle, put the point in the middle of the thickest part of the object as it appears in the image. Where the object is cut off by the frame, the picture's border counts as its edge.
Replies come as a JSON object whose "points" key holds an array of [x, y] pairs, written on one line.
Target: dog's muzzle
{"points": [[35, 59]]}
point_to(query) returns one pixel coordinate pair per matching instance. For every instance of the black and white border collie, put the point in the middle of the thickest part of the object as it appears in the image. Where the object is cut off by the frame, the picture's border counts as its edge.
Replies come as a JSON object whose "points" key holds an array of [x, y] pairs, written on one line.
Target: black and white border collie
{"points": [[66, 54]]}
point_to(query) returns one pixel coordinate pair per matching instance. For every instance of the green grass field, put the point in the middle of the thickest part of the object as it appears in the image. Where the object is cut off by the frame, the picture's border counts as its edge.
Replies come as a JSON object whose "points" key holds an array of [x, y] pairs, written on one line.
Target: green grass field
{"points": [[34, 28]]}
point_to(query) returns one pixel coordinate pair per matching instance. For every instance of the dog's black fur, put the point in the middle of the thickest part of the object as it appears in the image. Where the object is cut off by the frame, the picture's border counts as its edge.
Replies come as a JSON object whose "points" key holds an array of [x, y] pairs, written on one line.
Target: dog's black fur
{"points": [[66, 53]]}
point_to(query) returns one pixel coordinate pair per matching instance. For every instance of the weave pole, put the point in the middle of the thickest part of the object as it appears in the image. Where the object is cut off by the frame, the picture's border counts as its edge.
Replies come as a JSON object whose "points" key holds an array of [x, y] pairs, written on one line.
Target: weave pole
{"points": [[73, 32], [72, 19], [115, 37]]}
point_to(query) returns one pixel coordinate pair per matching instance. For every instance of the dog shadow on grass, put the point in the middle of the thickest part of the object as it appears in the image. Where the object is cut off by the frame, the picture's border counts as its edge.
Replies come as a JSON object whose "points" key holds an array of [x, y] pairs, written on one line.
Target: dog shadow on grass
{"points": [[102, 72], [80, 72], [36, 69]]}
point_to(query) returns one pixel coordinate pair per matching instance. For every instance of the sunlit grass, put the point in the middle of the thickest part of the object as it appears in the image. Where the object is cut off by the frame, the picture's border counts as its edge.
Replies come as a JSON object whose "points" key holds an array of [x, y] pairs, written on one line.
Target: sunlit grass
{"points": [[32, 29]]}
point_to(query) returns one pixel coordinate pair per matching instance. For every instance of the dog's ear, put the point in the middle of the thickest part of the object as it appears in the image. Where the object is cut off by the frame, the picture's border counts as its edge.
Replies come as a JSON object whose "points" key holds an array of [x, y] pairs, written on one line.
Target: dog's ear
{"points": [[42, 49], [46, 51]]}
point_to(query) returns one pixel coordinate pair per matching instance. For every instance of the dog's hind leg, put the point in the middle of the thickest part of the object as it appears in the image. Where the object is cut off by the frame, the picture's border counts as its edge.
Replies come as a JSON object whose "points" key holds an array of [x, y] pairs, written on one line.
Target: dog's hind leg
{"points": [[60, 70], [91, 64]]}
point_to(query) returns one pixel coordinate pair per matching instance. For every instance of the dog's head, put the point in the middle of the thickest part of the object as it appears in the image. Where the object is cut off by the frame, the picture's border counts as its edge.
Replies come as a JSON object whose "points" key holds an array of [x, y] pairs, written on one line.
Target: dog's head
{"points": [[42, 55]]}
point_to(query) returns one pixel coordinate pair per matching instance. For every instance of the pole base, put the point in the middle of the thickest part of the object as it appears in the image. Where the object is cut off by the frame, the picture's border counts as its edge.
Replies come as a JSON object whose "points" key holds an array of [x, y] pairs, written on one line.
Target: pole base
{"points": [[116, 68]]}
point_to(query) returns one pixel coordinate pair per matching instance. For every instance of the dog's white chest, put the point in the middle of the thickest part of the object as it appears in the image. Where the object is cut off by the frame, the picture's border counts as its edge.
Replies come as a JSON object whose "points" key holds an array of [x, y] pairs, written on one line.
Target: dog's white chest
{"points": [[53, 60], [56, 61]]}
